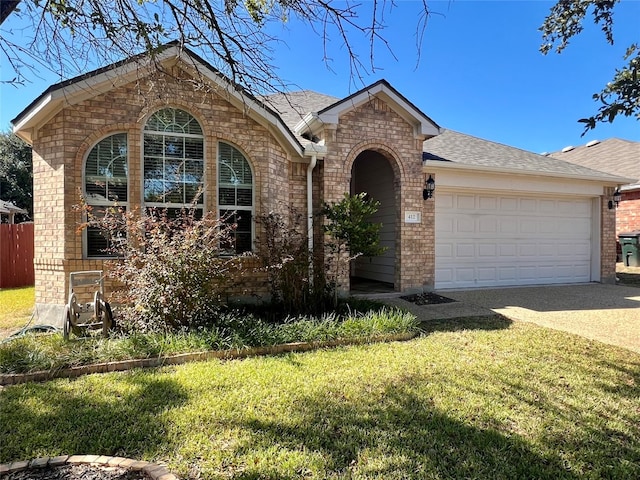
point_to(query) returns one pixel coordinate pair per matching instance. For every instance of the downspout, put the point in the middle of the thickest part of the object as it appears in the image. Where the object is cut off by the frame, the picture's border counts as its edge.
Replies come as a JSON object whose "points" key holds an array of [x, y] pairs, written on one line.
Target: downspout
{"points": [[312, 165]]}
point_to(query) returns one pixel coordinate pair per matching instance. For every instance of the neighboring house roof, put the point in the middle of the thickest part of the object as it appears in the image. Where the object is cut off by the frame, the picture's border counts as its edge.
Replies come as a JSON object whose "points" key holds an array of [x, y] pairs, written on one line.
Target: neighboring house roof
{"points": [[456, 150], [614, 156], [8, 207]]}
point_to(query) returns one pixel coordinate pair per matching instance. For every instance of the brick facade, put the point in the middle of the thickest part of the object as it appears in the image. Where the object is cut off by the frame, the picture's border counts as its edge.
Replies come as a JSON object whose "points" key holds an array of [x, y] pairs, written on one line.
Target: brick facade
{"points": [[374, 126], [628, 212], [62, 142]]}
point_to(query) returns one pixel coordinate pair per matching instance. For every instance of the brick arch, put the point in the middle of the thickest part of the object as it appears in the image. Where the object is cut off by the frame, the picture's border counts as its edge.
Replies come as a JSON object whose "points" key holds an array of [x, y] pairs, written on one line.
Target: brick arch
{"points": [[380, 147], [146, 112]]}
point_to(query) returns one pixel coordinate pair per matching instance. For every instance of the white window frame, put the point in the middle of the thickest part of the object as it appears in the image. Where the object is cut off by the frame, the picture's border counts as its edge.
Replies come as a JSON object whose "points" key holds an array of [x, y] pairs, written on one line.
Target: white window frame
{"points": [[102, 203], [237, 208], [174, 205]]}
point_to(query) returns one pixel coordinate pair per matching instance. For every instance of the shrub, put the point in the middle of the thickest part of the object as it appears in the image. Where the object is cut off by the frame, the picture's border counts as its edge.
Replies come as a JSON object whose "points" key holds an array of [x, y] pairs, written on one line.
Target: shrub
{"points": [[295, 284], [171, 267]]}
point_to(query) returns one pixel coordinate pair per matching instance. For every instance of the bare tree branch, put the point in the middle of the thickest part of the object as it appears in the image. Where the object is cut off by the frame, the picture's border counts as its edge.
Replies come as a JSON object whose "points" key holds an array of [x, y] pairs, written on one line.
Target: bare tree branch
{"points": [[67, 36]]}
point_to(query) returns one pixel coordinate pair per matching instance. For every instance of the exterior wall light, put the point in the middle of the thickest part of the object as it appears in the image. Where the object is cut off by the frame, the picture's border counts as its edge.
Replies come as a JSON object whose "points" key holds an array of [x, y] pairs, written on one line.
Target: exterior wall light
{"points": [[616, 199], [429, 187]]}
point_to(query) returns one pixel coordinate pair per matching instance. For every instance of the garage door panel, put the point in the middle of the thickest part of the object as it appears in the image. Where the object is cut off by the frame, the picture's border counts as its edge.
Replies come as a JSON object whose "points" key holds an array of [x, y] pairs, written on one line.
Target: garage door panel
{"points": [[466, 202], [501, 240]]}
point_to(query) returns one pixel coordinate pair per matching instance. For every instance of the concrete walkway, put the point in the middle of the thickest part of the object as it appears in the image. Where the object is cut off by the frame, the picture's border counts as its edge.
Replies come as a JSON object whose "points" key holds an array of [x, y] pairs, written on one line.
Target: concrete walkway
{"points": [[607, 313]]}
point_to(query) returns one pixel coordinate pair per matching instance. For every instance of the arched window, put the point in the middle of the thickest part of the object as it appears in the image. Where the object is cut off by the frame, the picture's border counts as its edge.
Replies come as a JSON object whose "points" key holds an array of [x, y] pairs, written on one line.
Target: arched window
{"points": [[105, 183], [173, 161], [235, 195]]}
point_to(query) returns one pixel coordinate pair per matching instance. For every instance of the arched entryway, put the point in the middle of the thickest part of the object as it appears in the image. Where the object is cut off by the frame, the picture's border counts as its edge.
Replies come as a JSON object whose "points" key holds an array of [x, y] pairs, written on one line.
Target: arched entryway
{"points": [[373, 174]]}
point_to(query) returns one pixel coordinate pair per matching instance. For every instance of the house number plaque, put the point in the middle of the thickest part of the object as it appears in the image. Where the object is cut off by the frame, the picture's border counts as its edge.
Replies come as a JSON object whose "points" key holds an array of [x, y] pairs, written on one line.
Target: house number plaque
{"points": [[412, 217]]}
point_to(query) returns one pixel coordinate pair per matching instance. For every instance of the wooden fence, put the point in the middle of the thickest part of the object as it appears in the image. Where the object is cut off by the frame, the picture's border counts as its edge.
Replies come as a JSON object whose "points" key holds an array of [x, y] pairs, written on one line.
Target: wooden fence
{"points": [[16, 255]]}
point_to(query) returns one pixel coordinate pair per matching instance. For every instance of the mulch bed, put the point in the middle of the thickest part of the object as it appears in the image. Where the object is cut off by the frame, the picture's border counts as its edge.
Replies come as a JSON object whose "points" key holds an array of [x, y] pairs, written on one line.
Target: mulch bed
{"points": [[427, 298], [77, 472]]}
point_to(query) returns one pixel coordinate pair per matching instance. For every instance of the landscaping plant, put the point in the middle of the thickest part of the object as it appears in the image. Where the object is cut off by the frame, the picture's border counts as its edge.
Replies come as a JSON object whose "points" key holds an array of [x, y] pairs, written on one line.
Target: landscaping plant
{"points": [[296, 285], [351, 234], [172, 268]]}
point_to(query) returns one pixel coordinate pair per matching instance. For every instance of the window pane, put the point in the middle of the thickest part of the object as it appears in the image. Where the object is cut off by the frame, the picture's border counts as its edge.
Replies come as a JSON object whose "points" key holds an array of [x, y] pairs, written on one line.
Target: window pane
{"points": [[117, 191], [173, 147], [153, 145], [174, 193], [106, 169], [95, 189], [97, 244], [227, 196], [244, 197], [193, 148], [173, 167], [190, 193], [240, 237]]}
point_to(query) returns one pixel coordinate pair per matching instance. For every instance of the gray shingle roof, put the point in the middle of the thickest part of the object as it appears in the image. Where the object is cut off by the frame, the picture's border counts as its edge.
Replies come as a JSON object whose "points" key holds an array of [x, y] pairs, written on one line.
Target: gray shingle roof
{"points": [[614, 156], [463, 149], [293, 106]]}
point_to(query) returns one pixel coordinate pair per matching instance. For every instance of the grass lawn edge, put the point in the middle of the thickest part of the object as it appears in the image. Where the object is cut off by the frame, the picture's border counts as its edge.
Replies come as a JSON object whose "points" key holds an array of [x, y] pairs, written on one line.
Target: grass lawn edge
{"points": [[7, 379]]}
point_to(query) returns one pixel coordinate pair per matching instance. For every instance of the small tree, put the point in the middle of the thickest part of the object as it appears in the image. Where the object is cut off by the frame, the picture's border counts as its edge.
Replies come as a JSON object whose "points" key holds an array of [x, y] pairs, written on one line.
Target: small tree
{"points": [[172, 270], [352, 234]]}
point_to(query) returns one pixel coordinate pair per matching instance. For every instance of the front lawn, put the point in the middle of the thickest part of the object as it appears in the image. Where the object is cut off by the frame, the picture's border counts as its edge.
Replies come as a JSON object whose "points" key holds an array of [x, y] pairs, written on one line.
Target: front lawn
{"points": [[235, 329], [479, 399], [16, 307]]}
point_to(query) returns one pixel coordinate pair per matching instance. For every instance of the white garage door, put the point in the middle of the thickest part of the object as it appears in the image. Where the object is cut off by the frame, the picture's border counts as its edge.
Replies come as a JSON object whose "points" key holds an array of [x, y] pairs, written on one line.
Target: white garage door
{"points": [[485, 240]]}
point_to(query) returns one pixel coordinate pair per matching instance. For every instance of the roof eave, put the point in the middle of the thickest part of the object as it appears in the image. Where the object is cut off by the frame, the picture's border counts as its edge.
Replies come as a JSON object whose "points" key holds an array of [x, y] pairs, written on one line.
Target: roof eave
{"points": [[72, 92], [446, 165], [69, 93], [423, 125]]}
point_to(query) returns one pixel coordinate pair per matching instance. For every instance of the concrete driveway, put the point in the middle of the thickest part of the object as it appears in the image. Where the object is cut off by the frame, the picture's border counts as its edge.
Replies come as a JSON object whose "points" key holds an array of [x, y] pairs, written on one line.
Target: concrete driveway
{"points": [[608, 313]]}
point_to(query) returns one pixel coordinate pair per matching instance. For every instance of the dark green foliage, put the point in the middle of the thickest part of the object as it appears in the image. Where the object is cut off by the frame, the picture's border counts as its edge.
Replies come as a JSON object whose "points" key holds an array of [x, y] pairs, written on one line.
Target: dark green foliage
{"points": [[16, 174], [350, 228], [351, 234], [621, 96]]}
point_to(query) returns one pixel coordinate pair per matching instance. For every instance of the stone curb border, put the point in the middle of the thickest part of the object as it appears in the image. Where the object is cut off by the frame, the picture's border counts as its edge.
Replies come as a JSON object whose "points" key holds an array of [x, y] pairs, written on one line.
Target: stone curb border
{"points": [[42, 376], [154, 471]]}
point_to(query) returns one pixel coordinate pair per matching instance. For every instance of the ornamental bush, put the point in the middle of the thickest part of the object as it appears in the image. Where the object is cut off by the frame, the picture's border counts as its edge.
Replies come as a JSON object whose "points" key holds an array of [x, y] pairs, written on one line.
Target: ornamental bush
{"points": [[170, 264]]}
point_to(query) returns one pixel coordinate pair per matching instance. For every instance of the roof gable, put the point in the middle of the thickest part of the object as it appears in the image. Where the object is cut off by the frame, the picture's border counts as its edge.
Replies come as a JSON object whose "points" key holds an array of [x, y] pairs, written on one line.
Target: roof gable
{"points": [[103, 80], [422, 124]]}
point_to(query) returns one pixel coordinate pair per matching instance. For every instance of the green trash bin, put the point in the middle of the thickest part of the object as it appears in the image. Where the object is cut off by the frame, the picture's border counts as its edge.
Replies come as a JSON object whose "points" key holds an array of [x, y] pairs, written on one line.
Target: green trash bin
{"points": [[630, 243]]}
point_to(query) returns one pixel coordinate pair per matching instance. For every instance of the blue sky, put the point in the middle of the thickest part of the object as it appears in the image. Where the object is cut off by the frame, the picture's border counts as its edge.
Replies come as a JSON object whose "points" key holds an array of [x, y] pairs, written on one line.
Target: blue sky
{"points": [[480, 71]]}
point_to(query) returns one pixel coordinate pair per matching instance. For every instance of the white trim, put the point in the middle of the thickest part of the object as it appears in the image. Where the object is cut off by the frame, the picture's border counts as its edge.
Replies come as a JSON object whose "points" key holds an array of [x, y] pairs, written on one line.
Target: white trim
{"points": [[436, 165], [423, 126], [101, 203], [596, 242]]}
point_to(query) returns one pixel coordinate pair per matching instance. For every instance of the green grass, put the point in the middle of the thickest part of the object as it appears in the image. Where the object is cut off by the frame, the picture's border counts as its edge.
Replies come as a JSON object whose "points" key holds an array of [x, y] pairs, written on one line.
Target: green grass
{"points": [[16, 307], [234, 331], [480, 398]]}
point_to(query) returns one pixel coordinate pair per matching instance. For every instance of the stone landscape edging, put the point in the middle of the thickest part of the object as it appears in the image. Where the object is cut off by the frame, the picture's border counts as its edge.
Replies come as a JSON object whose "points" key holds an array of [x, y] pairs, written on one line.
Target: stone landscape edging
{"points": [[154, 471], [122, 365]]}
